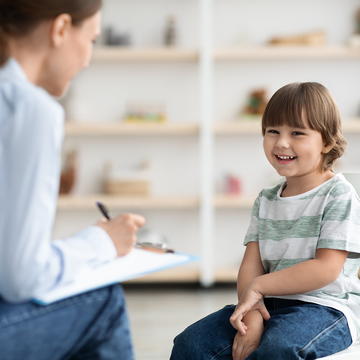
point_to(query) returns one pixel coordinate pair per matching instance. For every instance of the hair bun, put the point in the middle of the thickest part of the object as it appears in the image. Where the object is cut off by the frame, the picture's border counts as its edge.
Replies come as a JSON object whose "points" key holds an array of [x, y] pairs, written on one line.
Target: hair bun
{"points": [[8, 14]]}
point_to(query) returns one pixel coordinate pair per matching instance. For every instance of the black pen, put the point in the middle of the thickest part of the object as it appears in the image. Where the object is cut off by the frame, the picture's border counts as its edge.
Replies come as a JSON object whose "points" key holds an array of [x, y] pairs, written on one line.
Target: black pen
{"points": [[104, 211]]}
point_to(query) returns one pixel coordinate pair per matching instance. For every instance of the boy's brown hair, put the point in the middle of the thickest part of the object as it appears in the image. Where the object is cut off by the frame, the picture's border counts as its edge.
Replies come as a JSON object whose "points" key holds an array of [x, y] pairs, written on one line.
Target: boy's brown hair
{"points": [[295, 103]]}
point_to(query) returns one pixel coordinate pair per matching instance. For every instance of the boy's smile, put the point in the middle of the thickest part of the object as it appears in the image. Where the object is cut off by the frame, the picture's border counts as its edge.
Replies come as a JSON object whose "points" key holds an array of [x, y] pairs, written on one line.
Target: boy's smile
{"points": [[294, 152], [285, 159]]}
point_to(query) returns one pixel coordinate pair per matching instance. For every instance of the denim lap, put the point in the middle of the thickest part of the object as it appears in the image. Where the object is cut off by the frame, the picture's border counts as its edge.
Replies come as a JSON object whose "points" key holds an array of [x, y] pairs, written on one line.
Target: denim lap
{"points": [[89, 326], [296, 330], [299, 330], [208, 339]]}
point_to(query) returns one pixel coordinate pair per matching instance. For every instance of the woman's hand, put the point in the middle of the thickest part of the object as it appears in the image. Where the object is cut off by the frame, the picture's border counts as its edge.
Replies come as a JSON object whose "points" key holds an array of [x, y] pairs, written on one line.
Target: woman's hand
{"points": [[250, 300], [244, 345], [122, 231]]}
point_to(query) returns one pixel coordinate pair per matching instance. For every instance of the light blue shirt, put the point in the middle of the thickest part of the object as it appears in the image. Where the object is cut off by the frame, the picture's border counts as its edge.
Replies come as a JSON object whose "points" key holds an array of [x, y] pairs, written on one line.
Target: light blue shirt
{"points": [[31, 124]]}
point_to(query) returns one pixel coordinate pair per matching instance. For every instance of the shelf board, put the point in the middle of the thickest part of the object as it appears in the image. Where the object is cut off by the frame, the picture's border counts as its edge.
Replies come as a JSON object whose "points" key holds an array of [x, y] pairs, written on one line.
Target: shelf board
{"points": [[87, 202], [224, 201], [74, 128], [277, 52], [238, 127], [177, 129], [78, 202], [126, 54]]}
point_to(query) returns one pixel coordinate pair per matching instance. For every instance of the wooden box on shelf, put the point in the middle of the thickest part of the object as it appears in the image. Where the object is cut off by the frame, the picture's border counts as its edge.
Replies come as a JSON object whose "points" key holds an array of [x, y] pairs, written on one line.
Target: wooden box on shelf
{"points": [[127, 187], [128, 182]]}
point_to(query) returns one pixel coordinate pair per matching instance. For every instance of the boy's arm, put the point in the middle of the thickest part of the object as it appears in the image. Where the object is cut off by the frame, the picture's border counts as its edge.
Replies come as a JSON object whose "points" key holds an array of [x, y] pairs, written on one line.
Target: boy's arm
{"points": [[244, 345], [251, 267], [303, 277], [300, 278]]}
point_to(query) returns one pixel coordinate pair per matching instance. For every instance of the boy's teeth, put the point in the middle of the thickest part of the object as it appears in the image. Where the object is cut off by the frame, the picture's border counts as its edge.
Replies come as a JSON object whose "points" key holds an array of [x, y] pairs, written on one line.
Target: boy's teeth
{"points": [[286, 157]]}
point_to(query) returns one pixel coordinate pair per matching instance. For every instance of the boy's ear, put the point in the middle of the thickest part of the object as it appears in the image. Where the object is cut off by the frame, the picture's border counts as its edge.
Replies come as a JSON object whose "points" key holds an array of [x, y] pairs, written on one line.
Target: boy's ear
{"points": [[59, 29], [327, 148]]}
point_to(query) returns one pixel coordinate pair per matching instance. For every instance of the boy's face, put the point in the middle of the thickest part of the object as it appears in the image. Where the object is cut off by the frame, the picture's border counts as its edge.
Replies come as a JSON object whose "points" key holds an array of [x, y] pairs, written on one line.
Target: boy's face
{"points": [[294, 152]]}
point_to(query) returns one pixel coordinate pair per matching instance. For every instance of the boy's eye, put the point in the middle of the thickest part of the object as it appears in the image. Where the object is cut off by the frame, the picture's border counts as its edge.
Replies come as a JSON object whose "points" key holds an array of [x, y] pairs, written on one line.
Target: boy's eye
{"points": [[297, 133], [272, 131]]}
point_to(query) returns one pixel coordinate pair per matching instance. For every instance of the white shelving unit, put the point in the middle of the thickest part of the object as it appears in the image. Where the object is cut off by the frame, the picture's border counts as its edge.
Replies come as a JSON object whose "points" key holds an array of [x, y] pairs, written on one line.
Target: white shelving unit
{"points": [[206, 130]]}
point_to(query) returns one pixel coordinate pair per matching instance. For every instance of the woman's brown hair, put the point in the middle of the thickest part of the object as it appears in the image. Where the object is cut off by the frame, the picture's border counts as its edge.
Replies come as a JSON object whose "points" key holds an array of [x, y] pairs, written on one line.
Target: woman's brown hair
{"points": [[19, 17], [308, 103]]}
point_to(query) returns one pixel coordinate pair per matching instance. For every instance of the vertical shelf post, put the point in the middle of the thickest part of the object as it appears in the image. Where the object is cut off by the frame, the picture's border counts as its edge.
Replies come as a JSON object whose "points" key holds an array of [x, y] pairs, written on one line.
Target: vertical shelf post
{"points": [[206, 63]]}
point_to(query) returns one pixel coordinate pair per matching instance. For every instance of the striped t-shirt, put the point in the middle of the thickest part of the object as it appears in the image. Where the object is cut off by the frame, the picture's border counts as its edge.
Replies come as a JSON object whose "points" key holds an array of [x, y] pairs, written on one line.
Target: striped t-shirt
{"points": [[290, 229]]}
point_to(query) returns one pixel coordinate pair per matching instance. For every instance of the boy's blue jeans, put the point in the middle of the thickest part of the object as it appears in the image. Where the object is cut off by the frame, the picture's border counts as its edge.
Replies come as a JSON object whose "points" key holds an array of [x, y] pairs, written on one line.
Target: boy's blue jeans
{"points": [[92, 326], [296, 330]]}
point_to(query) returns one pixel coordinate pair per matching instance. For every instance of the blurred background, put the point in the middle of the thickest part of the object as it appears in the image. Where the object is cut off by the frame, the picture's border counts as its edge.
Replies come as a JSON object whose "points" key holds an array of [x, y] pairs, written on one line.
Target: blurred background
{"points": [[166, 123]]}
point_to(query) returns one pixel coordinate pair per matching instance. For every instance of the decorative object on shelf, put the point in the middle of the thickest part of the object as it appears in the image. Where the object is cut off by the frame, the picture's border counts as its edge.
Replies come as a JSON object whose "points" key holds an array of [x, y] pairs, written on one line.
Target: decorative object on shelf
{"points": [[229, 184], [256, 102], [354, 40], [68, 173], [128, 182], [310, 38], [113, 37], [233, 185], [170, 32], [145, 113]]}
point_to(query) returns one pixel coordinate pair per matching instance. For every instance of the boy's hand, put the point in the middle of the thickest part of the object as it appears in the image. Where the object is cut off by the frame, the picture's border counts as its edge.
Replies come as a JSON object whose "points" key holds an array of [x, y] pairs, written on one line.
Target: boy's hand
{"points": [[244, 345], [250, 300]]}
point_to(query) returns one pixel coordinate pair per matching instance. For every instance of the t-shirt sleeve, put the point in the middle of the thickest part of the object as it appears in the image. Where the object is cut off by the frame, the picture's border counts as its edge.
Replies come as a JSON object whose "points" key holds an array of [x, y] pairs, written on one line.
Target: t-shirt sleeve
{"points": [[252, 233], [340, 226]]}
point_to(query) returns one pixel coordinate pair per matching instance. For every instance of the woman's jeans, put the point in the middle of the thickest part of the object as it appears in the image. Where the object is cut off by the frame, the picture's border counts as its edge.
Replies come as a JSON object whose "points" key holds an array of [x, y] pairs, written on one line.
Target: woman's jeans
{"points": [[296, 330], [92, 326]]}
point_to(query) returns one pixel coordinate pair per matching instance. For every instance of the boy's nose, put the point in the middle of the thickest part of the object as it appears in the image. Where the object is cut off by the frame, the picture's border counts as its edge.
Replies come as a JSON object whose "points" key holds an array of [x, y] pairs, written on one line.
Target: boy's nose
{"points": [[283, 142]]}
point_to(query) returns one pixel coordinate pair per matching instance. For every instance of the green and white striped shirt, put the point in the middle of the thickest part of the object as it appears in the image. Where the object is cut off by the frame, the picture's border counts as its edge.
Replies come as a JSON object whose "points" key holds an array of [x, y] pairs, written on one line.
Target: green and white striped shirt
{"points": [[290, 230]]}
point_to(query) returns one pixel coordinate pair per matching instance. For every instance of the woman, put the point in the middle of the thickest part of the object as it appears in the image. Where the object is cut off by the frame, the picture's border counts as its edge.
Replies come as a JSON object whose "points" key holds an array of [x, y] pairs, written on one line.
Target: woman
{"points": [[43, 45]]}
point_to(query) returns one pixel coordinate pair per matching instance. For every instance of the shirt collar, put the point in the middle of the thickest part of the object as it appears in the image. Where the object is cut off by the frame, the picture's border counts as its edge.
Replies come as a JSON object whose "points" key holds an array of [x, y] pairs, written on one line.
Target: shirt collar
{"points": [[13, 70]]}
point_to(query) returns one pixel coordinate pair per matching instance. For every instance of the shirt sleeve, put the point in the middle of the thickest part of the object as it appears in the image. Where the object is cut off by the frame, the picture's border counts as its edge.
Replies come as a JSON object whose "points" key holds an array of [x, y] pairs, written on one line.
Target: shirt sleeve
{"points": [[30, 263], [340, 226], [252, 233]]}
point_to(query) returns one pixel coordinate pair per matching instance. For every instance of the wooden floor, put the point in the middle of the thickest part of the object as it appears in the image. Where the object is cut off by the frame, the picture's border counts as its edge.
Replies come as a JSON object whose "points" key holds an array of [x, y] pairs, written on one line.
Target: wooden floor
{"points": [[157, 315]]}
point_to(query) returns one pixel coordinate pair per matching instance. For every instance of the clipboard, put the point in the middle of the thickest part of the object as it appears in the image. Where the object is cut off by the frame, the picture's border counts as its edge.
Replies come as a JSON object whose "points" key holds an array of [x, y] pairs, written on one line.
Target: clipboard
{"points": [[137, 263]]}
